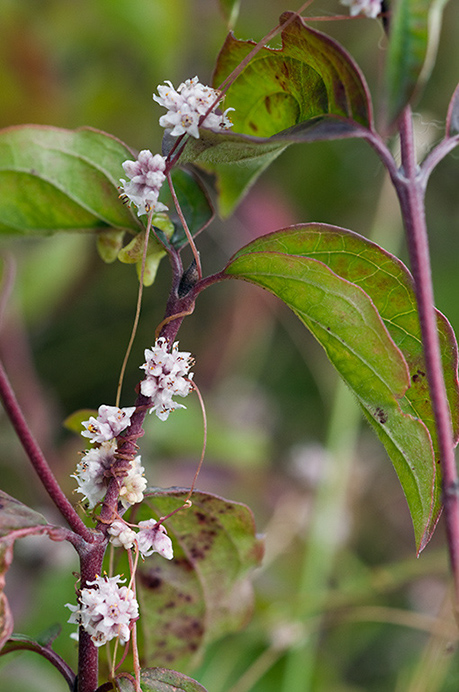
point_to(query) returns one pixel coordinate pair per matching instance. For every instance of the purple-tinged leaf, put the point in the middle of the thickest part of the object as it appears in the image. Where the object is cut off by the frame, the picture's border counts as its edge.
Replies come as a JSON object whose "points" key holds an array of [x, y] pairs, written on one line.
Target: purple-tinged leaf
{"points": [[16, 520], [310, 75], [160, 680], [452, 120], [15, 516], [204, 591], [313, 268], [309, 89], [238, 160]]}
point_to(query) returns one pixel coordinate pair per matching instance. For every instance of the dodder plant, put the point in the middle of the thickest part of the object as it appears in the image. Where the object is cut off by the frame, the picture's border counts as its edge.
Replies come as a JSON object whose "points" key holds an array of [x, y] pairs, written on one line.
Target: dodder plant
{"points": [[375, 320]]}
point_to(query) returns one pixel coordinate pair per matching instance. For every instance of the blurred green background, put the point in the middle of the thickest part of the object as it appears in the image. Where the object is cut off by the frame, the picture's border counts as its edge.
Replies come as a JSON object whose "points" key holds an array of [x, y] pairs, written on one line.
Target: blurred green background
{"points": [[342, 603]]}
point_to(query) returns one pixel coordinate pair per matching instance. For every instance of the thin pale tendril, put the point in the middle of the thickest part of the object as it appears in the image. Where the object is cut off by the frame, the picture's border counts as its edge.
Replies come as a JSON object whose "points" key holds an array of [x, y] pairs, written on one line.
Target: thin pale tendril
{"points": [[135, 651], [185, 226], [187, 502], [171, 318], [180, 144], [224, 86], [137, 310]]}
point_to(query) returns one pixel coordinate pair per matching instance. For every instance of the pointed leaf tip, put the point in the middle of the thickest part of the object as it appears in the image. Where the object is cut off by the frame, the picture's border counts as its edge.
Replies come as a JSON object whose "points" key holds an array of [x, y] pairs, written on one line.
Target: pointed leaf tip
{"points": [[315, 269]]}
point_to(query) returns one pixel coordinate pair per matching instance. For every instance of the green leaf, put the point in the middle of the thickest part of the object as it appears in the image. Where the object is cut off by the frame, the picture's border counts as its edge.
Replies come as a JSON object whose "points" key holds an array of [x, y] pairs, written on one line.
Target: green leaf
{"points": [[75, 420], [310, 88], [204, 591], [413, 39], [161, 680], [16, 519], [61, 180], [358, 301], [310, 75]]}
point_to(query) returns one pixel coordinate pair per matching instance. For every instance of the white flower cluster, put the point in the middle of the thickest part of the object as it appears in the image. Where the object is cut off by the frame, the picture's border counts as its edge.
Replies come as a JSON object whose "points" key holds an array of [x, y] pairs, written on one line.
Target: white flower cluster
{"points": [[152, 538], [110, 422], [105, 611], [146, 176], [369, 8], [167, 374], [186, 106], [93, 471]]}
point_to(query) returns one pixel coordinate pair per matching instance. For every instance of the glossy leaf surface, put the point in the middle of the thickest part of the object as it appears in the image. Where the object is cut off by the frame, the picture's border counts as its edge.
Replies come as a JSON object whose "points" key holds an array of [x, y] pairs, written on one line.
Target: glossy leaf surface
{"points": [[294, 90], [61, 180], [359, 303], [161, 680], [413, 38], [203, 592]]}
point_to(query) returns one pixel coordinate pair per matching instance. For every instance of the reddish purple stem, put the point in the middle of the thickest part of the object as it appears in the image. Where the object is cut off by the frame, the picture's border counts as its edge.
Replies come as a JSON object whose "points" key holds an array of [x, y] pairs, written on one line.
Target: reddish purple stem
{"points": [[410, 186], [38, 460]]}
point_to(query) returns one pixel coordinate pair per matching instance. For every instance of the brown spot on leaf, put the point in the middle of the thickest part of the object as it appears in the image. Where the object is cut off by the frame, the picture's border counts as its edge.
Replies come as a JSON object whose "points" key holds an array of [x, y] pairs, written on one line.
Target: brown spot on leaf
{"points": [[381, 415], [285, 69], [150, 580], [419, 374]]}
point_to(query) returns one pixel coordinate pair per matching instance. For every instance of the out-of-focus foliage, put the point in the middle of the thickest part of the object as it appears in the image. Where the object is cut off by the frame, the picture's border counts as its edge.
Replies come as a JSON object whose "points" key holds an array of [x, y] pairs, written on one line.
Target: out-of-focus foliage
{"points": [[267, 386]]}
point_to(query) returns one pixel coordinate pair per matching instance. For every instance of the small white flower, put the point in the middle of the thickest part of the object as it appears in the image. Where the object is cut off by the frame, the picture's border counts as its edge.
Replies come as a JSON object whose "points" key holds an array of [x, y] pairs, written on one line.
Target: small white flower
{"points": [[153, 538], [92, 472], [186, 105], [121, 535], [146, 175], [133, 485], [110, 422], [167, 374], [369, 8], [105, 611]]}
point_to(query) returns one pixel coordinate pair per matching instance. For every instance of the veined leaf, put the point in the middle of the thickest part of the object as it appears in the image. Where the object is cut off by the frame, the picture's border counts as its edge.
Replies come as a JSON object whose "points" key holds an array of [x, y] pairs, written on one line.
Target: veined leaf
{"points": [[203, 592], [61, 180], [310, 75], [413, 39], [359, 303], [308, 89], [161, 680]]}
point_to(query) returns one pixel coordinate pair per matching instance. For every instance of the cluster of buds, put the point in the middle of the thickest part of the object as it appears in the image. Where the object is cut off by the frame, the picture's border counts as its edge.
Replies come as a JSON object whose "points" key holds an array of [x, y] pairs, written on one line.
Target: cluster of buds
{"points": [[146, 176], [167, 375], [187, 105], [105, 611], [151, 538], [94, 470]]}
